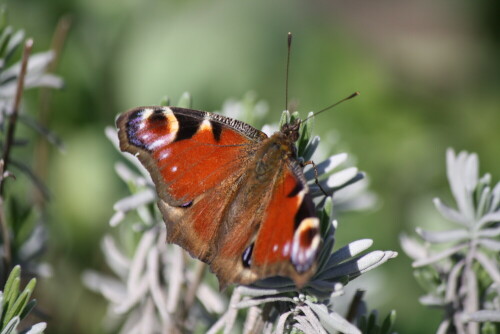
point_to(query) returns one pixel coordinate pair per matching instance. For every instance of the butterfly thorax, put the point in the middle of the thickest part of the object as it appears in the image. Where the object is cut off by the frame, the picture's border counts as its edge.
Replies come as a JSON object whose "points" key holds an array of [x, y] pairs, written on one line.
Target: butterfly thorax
{"points": [[275, 150]]}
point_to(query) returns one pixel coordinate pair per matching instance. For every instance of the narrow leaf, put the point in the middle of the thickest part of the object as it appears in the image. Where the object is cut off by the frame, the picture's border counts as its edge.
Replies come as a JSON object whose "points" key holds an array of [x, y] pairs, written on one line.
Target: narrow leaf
{"points": [[185, 101], [443, 236], [489, 266], [327, 166], [438, 256], [11, 326], [449, 213]]}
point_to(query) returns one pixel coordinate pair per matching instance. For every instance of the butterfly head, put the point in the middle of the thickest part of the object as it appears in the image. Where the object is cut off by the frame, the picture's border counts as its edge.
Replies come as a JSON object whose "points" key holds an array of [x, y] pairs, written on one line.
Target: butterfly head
{"points": [[291, 130]]}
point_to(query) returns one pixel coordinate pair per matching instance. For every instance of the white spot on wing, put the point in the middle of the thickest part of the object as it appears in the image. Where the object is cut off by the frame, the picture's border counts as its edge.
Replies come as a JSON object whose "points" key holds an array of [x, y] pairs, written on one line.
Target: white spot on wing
{"points": [[286, 249], [164, 154], [205, 125], [275, 248], [146, 113], [173, 169], [163, 140]]}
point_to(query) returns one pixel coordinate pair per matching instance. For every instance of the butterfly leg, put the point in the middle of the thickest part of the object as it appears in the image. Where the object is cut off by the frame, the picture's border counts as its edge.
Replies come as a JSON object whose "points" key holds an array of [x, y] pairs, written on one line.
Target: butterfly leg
{"points": [[310, 162]]}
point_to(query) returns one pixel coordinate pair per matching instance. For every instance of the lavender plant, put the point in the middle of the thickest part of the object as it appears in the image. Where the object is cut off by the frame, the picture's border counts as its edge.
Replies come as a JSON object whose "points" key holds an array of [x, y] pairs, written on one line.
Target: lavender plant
{"points": [[157, 288], [22, 232], [459, 268], [15, 305]]}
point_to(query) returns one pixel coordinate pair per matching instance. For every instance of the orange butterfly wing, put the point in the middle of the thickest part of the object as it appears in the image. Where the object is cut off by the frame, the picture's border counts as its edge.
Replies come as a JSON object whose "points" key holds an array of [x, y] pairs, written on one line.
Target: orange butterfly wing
{"points": [[215, 203]]}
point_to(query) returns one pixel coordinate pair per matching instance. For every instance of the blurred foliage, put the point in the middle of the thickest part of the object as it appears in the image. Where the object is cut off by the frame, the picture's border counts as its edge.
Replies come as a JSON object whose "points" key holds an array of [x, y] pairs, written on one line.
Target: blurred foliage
{"points": [[428, 73]]}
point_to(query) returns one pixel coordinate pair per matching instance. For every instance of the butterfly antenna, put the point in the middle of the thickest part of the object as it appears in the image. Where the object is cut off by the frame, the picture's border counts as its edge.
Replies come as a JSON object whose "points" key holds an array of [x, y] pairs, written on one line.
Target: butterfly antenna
{"points": [[333, 105], [289, 41]]}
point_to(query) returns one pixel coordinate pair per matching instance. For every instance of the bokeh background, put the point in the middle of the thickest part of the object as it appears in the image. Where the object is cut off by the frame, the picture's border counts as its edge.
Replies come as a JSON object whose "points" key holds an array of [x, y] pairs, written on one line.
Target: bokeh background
{"points": [[429, 78]]}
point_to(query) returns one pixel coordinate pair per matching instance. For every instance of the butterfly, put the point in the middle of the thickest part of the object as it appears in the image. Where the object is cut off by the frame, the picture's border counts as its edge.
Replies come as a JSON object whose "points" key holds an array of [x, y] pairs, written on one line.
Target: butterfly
{"points": [[230, 195]]}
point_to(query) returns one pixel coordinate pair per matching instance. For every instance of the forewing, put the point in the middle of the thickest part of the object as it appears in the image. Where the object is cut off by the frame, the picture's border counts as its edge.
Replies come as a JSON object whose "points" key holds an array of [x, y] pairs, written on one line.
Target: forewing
{"points": [[195, 158]]}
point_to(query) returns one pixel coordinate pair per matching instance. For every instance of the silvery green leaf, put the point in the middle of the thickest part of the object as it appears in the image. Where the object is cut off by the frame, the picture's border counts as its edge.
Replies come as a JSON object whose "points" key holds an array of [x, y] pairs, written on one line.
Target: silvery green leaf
{"points": [[348, 251], [6, 34], [44, 80], [256, 292], [339, 179], [483, 199], [165, 101], [332, 321], [492, 217], [282, 321], [326, 166], [374, 259], [355, 196], [294, 116], [135, 200], [115, 259], [495, 200], [456, 169], [357, 266], [11, 326], [490, 267], [285, 118], [439, 256], [312, 319], [471, 300], [219, 324], [176, 279], [14, 42], [35, 243], [211, 300], [303, 325], [139, 260], [490, 244], [186, 101], [449, 213], [148, 323], [443, 327], [112, 136], [36, 65], [305, 133], [452, 283], [412, 248], [232, 312], [111, 288], [443, 236], [255, 301], [489, 232], [431, 300], [134, 297], [253, 320], [116, 218], [388, 323], [157, 293], [482, 316], [471, 172], [37, 328], [128, 176], [311, 148]]}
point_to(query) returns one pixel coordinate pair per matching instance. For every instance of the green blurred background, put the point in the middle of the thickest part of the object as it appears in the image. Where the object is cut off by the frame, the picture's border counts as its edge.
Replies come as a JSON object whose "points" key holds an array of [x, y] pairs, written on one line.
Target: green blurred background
{"points": [[428, 72]]}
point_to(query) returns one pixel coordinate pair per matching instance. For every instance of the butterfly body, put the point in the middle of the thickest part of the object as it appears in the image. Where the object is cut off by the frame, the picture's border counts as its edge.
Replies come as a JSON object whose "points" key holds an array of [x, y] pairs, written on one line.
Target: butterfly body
{"points": [[229, 194]]}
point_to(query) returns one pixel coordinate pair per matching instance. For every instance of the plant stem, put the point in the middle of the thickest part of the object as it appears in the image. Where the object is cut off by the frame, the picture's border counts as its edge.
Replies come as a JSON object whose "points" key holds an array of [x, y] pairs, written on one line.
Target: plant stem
{"points": [[42, 149], [28, 45]]}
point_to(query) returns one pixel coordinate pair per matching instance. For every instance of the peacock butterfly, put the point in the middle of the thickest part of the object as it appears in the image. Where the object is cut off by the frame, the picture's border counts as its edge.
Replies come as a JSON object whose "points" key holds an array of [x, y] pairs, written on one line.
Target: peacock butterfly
{"points": [[229, 194]]}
